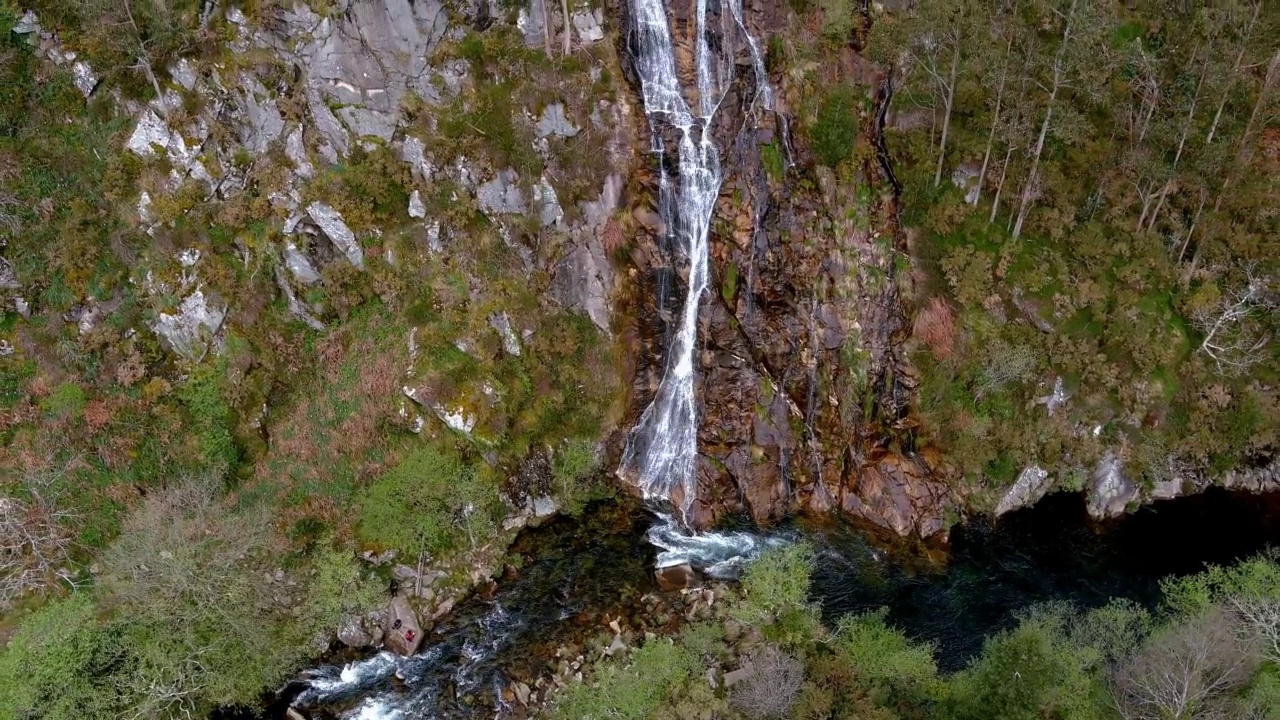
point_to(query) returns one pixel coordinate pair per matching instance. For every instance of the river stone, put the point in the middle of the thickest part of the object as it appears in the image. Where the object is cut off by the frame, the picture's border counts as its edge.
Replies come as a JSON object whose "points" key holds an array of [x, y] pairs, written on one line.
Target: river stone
{"points": [[678, 577], [397, 639]]}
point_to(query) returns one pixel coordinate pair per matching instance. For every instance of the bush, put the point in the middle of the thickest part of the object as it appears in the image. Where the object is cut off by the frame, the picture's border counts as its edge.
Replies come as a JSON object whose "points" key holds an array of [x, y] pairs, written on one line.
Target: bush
{"points": [[427, 503], [1029, 673], [836, 127], [883, 657], [338, 587], [775, 593], [51, 668], [772, 683], [633, 692]]}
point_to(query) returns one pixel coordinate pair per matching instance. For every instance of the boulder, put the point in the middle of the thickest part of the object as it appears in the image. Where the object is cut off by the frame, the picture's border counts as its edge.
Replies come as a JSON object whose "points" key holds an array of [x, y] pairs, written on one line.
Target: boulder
{"points": [[335, 228], [402, 633], [501, 195], [554, 122], [197, 318], [1032, 483], [1111, 492], [678, 577], [352, 632]]}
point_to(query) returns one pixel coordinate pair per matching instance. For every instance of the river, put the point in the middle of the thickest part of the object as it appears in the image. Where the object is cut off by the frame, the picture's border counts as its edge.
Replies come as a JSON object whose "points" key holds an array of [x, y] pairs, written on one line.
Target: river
{"points": [[578, 573]]}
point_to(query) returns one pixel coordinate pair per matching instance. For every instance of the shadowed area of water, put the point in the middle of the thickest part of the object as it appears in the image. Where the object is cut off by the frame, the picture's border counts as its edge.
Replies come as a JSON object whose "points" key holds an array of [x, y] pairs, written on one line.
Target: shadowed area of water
{"points": [[1051, 551], [579, 572]]}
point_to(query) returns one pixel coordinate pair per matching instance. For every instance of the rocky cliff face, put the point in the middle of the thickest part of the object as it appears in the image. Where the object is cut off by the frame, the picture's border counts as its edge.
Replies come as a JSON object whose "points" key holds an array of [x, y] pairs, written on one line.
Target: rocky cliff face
{"points": [[803, 387]]}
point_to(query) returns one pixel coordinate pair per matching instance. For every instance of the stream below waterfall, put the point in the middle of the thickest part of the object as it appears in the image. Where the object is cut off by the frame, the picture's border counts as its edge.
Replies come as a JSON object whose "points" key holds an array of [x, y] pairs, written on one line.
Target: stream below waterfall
{"points": [[579, 572]]}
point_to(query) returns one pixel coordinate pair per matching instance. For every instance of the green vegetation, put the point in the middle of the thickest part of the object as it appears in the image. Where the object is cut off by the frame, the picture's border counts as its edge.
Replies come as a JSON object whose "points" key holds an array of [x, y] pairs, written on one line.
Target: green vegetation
{"points": [[1207, 651], [190, 529], [1108, 234], [836, 126]]}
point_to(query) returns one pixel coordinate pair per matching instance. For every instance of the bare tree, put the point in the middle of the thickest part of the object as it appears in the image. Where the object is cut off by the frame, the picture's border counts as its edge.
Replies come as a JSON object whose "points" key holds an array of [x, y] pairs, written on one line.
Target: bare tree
{"points": [[771, 686], [1184, 671], [35, 539], [1260, 621], [1233, 337]]}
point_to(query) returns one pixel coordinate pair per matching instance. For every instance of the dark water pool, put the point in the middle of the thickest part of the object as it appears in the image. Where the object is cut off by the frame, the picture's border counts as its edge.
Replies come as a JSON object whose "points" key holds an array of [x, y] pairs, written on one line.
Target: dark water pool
{"points": [[1052, 551]]}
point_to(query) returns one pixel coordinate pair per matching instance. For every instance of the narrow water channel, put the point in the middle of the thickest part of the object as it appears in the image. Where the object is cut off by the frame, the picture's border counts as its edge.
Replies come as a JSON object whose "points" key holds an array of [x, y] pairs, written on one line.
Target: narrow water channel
{"points": [[577, 573]]}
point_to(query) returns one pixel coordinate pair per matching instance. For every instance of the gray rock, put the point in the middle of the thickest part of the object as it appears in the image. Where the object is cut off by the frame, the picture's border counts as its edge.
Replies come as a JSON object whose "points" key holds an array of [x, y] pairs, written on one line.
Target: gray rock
{"points": [[186, 332], [352, 632], [331, 222], [1055, 399], [1111, 492], [27, 24], [965, 177], [84, 78], [584, 280], [588, 24], [22, 307], [364, 122], [1033, 482], [402, 633], [733, 677], [295, 306], [150, 132], [554, 122], [183, 72], [416, 208], [598, 211], [296, 150], [532, 24], [328, 126], [501, 195], [414, 152], [544, 506], [8, 276], [547, 203], [263, 123], [510, 341]]}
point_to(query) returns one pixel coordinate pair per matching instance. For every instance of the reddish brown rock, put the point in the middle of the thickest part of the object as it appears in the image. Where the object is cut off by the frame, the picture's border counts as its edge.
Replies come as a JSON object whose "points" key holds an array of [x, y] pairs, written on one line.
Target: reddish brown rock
{"points": [[678, 577]]}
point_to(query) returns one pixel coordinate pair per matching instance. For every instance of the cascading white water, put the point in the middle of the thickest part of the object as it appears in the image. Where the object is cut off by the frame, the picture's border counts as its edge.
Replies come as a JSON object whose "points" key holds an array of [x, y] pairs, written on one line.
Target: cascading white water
{"points": [[662, 449]]}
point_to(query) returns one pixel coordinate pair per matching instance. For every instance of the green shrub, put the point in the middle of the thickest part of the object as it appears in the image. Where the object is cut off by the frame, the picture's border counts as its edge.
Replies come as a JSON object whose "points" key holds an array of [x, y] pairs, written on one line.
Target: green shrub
{"points": [[337, 587], [775, 593], [430, 502], [836, 127], [631, 692], [882, 656], [52, 667], [65, 402], [1031, 672]]}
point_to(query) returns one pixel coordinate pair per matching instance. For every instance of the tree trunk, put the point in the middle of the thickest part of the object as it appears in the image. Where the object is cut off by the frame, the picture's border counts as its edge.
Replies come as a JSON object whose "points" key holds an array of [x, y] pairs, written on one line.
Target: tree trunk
{"points": [[1004, 170], [1182, 144], [547, 32], [1024, 205], [995, 120], [1192, 230], [1235, 68], [947, 104], [564, 10]]}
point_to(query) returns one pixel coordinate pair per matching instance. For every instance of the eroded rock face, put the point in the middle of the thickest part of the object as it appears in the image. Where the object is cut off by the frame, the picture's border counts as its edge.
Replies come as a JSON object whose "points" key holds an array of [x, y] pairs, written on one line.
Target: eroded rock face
{"points": [[803, 386]]}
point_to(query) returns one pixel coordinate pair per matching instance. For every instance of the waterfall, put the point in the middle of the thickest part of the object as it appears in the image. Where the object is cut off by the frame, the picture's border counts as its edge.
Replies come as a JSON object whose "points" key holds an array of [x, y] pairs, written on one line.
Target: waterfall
{"points": [[662, 449]]}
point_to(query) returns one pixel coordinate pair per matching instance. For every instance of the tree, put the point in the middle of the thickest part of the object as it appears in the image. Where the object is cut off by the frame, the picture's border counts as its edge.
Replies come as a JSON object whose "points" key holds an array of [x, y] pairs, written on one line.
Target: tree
{"points": [[1184, 669], [1078, 64], [36, 538], [772, 683], [1233, 325]]}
